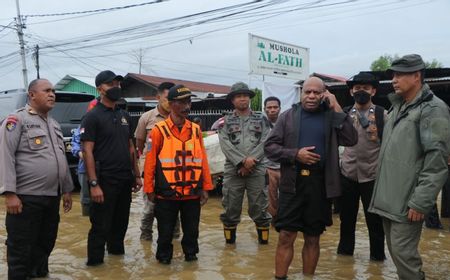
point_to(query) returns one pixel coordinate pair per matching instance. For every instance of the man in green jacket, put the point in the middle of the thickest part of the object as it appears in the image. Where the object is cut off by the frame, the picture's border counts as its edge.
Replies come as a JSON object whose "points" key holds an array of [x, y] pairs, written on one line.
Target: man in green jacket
{"points": [[412, 163]]}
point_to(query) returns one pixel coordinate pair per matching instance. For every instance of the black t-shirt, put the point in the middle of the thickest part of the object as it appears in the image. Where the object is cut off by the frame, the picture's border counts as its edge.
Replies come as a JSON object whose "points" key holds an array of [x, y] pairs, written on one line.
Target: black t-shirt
{"points": [[111, 131], [312, 132]]}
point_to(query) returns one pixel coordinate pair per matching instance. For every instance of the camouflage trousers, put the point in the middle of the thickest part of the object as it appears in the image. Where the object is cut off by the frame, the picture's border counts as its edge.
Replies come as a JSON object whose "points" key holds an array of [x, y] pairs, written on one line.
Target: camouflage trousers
{"points": [[234, 188]]}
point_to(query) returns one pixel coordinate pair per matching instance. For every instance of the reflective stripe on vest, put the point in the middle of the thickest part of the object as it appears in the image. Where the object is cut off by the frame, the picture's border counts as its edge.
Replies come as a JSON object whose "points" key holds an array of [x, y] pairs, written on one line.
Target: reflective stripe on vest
{"points": [[180, 162]]}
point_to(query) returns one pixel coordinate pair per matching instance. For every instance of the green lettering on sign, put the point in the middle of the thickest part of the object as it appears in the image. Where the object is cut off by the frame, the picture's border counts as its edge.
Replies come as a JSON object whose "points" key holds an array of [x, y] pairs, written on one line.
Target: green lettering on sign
{"points": [[269, 57], [262, 56]]}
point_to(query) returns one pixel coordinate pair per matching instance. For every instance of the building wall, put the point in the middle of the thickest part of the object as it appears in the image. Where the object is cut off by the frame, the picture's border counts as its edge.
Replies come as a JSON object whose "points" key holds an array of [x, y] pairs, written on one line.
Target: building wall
{"points": [[136, 89]]}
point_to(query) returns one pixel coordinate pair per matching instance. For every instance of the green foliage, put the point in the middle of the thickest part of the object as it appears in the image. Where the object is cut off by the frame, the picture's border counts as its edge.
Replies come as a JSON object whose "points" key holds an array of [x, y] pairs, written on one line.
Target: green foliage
{"points": [[434, 64], [384, 62], [256, 102]]}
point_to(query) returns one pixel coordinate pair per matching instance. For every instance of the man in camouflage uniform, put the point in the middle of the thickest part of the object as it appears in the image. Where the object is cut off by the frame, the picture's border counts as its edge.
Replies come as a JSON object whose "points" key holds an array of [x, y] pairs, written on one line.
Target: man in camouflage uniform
{"points": [[242, 141]]}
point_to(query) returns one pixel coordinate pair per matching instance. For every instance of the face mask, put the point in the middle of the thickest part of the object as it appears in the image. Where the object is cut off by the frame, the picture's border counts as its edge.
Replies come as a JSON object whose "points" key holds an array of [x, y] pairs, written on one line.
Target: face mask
{"points": [[114, 93], [361, 97]]}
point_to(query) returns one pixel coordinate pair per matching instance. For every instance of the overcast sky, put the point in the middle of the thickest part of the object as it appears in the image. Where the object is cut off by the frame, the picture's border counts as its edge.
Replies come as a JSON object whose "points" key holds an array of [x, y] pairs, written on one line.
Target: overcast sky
{"points": [[344, 37]]}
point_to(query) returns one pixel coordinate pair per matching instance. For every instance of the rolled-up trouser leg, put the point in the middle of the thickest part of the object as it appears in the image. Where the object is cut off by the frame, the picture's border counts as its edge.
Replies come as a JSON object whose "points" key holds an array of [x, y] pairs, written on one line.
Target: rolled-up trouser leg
{"points": [[148, 217]]}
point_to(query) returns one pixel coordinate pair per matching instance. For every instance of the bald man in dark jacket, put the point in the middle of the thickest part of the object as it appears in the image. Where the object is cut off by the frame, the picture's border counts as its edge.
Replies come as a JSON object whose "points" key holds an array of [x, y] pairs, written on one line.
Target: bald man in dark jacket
{"points": [[305, 142]]}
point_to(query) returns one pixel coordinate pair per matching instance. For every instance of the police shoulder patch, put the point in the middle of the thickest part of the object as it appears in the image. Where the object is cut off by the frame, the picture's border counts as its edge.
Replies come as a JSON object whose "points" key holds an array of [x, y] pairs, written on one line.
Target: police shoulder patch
{"points": [[11, 122]]}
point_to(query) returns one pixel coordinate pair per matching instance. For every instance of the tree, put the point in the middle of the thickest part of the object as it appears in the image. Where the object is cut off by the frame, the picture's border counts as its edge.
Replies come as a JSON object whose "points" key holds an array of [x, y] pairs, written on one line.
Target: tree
{"points": [[139, 56], [256, 102], [434, 64], [384, 62]]}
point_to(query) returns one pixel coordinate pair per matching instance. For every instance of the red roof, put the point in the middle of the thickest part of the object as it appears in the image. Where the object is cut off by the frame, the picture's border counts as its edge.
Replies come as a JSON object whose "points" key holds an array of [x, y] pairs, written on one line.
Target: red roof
{"points": [[193, 86]]}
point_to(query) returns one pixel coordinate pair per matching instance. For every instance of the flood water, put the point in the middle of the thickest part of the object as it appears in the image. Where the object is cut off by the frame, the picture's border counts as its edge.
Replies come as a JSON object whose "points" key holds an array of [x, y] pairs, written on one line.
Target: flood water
{"points": [[244, 260]]}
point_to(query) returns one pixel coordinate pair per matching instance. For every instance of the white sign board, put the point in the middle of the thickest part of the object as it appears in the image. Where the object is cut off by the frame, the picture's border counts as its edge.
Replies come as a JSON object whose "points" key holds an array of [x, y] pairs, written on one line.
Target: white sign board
{"points": [[270, 57]]}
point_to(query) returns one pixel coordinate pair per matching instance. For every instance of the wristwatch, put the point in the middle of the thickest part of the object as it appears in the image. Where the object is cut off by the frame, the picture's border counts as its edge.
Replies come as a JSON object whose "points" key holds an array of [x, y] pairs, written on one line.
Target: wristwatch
{"points": [[92, 183]]}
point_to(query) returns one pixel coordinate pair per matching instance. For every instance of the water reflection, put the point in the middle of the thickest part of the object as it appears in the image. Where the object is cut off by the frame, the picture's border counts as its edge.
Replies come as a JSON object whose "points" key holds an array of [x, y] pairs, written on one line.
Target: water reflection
{"points": [[244, 260]]}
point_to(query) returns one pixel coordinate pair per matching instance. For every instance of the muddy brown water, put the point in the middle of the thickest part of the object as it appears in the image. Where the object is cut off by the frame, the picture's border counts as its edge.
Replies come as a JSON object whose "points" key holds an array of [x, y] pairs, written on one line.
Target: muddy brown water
{"points": [[245, 260]]}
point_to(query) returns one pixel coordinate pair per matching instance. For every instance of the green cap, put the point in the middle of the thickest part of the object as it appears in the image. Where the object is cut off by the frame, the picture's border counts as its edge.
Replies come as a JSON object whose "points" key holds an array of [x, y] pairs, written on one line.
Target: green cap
{"points": [[238, 88], [407, 64]]}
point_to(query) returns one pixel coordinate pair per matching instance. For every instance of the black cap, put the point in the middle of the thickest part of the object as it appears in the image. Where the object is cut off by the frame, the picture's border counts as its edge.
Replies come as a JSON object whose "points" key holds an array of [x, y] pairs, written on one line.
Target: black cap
{"points": [[106, 76], [179, 92], [363, 78], [240, 87], [407, 64], [165, 85]]}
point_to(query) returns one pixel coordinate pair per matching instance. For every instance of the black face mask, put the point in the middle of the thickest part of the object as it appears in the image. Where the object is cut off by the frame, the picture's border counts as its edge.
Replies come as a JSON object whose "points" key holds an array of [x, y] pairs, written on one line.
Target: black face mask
{"points": [[114, 93], [361, 97]]}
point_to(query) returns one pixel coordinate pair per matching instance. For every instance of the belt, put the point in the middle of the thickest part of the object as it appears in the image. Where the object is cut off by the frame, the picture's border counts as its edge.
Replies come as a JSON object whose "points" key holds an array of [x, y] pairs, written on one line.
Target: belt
{"points": [[305, 172]]}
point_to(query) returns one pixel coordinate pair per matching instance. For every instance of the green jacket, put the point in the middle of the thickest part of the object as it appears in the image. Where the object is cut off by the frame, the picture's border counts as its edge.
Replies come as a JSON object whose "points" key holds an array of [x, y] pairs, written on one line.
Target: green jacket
{"points": [[412, 165]]}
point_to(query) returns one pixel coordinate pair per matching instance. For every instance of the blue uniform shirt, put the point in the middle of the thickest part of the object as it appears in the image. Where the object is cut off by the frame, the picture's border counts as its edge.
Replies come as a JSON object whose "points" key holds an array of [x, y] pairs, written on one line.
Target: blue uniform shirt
{"points": [[76, 148]]}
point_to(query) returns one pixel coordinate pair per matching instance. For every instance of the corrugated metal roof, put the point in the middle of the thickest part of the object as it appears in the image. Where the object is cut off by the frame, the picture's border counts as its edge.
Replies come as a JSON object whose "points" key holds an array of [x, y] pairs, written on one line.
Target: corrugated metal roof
{"points": [[193, 86], [69, 78], [331, 78], [427, 80]]}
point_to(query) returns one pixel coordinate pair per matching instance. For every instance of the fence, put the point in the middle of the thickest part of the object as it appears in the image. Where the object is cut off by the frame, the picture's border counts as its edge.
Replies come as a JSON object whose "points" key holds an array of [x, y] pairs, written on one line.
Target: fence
{"points": [[207, 117]]}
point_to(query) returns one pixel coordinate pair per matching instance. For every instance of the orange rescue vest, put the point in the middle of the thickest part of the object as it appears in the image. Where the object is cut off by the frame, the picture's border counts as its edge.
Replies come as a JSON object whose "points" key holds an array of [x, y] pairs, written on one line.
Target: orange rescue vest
{"points": [[179, 164]]}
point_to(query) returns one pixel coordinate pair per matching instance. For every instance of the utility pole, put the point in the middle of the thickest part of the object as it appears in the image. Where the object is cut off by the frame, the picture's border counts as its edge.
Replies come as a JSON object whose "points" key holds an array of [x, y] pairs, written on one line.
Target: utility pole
{"points": [[20, 26], [36, 60]]}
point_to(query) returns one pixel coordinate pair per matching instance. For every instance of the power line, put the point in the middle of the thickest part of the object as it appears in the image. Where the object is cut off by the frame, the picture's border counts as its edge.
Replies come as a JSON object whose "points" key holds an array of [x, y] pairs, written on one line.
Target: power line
{"points": [[254, 11], [6, 34], [146, 33], [50, 69], [9, 71], [97, 10], [7, 26], [63, 19], [138, 31]]}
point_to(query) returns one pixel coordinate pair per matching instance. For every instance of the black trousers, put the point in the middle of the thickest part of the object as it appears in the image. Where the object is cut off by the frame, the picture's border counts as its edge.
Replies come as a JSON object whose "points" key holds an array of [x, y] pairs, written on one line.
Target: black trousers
{"points": [[109, 220], [166, 212], [349, 201], [31, 236]]}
